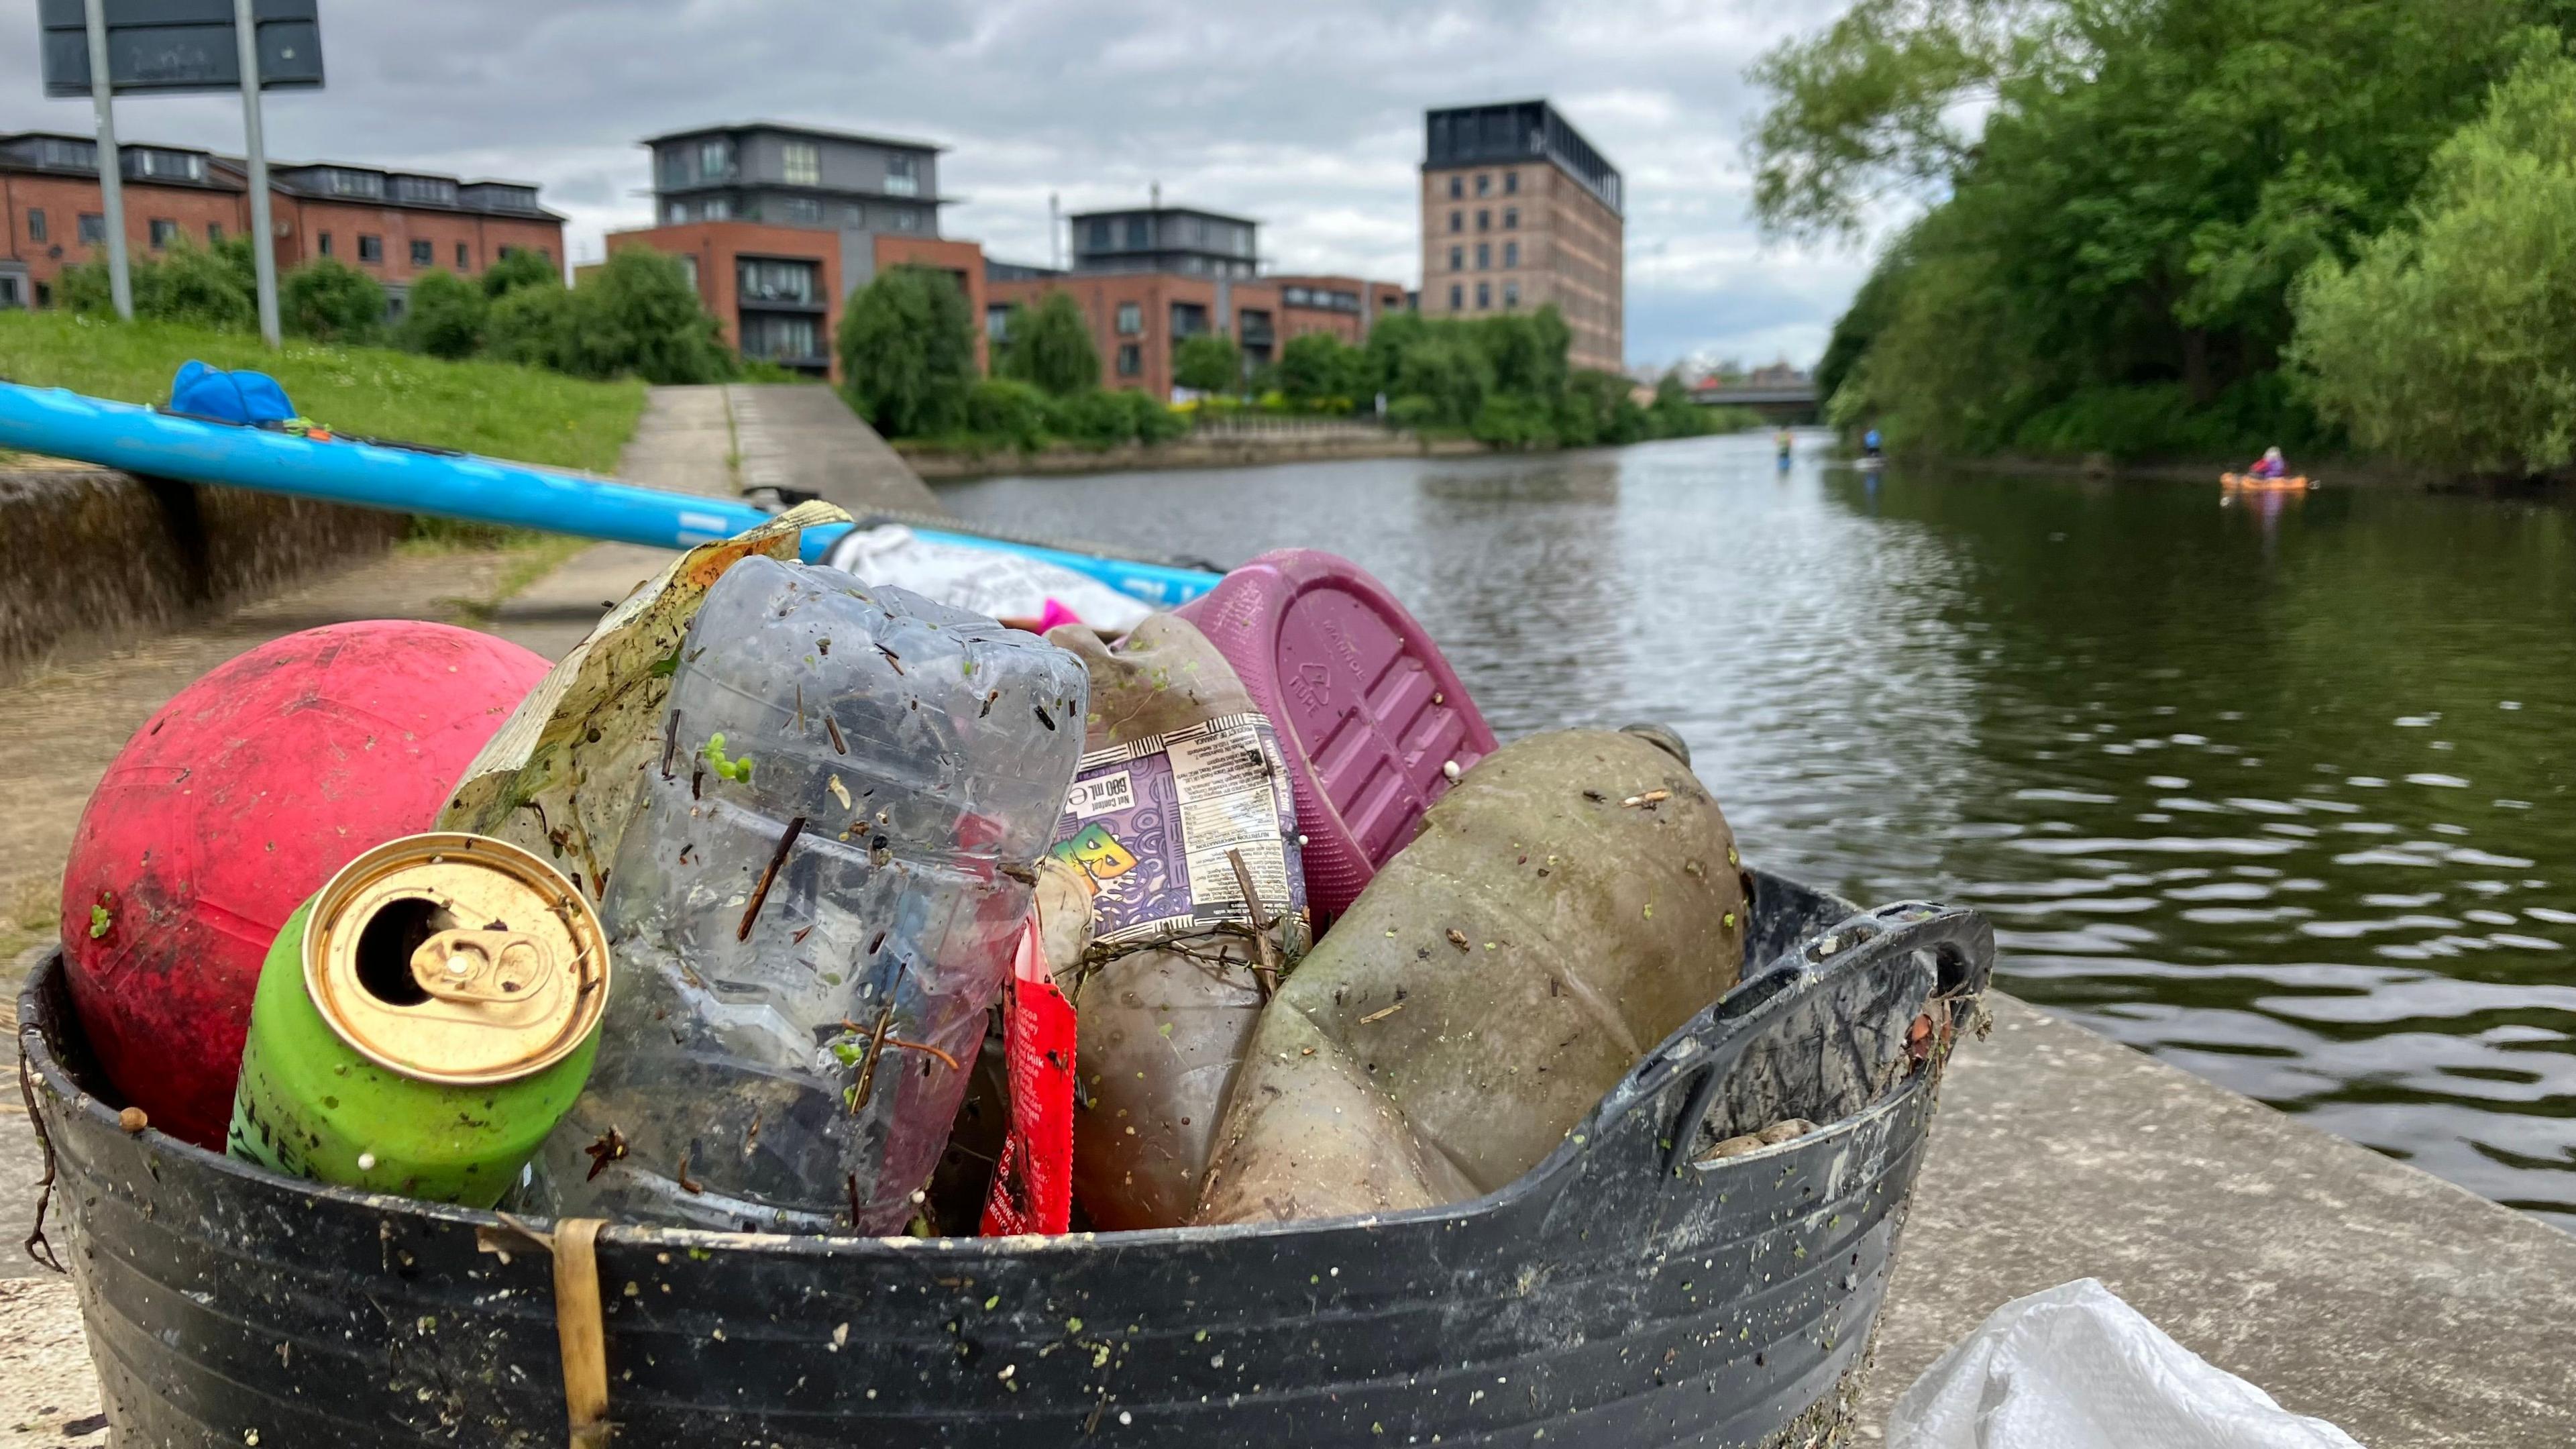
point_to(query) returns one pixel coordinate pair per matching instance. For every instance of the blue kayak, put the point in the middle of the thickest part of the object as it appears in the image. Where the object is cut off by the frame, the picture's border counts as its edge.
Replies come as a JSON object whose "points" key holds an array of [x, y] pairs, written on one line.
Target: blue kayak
{"points": [[406, 479]]}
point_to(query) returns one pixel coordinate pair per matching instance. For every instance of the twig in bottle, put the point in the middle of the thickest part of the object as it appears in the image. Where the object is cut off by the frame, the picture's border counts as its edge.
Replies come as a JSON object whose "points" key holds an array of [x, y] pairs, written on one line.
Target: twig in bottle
{"points": [[1265, 970], [760, 892]]}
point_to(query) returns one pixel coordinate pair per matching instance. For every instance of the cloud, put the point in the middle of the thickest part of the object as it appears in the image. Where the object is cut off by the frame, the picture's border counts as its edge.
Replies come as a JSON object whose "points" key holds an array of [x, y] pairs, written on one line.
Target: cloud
{"points": [[1307, 117]]}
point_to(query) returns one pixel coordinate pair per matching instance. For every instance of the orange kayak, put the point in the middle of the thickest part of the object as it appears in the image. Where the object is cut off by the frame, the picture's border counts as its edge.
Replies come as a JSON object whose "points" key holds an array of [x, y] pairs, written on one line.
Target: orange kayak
{"points": [[2248, 483]]}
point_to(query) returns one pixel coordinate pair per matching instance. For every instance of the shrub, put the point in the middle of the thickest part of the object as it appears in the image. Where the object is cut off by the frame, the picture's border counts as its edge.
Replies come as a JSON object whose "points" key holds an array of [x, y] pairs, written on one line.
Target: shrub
{"points": [[1319, 370], [1513, 420], [532, 326], [198, 287], [330, 301], [907, 345], [1209, 363], [1009, 411], [1092, 418], [1446, 369], [1149, 420], [637, 314], [1049, 346], [520, 268], [444, 317]]}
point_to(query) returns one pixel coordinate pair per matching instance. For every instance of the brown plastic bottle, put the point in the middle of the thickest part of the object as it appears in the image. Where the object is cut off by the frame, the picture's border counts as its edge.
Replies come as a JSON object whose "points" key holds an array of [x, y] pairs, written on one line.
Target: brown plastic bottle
{"points": [[1163, 1023], [1573, 901]]}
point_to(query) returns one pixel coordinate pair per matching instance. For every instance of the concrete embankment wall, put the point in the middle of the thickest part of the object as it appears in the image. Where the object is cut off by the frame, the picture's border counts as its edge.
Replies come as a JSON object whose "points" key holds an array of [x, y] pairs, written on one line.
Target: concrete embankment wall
{"points": [[1233, 452], [97, 558]]}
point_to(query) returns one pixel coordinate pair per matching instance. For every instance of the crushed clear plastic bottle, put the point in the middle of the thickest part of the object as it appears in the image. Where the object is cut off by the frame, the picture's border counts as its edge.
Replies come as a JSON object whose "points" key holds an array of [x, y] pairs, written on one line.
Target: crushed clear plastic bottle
{"points": [[813, 905]]}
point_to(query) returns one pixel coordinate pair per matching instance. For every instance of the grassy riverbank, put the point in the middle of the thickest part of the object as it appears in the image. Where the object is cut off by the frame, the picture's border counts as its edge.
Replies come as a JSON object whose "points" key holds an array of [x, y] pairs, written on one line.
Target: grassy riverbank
{"points": [[512, 412]]}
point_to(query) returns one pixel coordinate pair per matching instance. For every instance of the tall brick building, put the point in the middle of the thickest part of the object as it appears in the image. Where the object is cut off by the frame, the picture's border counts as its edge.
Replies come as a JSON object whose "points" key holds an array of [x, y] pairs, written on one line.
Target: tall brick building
{"points": [[779, 224], [1151, 278], [1519, 211], [392, 225]]}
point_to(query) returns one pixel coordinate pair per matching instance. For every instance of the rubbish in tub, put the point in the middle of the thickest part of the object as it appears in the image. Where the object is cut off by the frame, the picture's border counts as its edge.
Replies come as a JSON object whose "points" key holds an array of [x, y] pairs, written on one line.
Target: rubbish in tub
{"points": [[2074, 1365], [423, 1021], [1181, 800], [1374, 722], [814, 904], [564, 773], [1572, 902], [1011, 587], [231, 806]]}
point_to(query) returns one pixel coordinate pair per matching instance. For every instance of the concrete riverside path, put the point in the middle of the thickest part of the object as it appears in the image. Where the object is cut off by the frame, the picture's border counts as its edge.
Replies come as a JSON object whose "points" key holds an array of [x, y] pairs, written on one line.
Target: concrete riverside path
{"points": [[2348, 1285]]}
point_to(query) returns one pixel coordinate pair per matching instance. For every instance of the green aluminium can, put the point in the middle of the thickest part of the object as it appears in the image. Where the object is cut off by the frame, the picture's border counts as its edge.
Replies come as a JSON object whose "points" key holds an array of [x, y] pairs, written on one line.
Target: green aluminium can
{"points": [[423, 1021]]}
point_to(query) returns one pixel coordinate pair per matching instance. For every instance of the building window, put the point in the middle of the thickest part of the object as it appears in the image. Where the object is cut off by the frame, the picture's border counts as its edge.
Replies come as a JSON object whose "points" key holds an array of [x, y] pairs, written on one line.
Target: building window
{"points": [[9, 293], [35, 223], [676, 167], [801, 163], [342, 181], [997, 322], [780, 338], [325, 244], [214, 233], [1457, 187], [716, 208], [1131, 319], [1131, 360], [424, 254], [856, 217], [1457, 298], [1511, 183], [1511, 254], [93, 228], [1100, 234], [371, 248], [907, 220], [1484, 184], [1511, 295], [771, 281], [425, 190], [803, 211], [82, 155], [172, 165], [715, 158], [1457, 259], [1511, 218], [464, 257], [1457, 221], [903, 176], [1484, 221], [1484, 295], [1139, 233], [1484, 256]]}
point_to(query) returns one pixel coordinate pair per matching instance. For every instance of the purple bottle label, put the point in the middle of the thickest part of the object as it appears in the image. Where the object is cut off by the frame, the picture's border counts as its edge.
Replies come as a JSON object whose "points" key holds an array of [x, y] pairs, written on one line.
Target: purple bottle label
{"points": [[1151, 824]]}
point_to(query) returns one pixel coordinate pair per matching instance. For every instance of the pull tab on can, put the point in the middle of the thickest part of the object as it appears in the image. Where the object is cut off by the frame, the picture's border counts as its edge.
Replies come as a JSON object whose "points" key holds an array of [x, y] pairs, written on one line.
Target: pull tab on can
{"points": [[456, 959]]}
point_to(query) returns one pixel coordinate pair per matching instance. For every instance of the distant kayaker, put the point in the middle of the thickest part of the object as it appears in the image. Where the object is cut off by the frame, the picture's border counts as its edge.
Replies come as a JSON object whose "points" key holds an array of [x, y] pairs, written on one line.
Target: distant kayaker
{"points": [[1785, 441], [2272, 466]]}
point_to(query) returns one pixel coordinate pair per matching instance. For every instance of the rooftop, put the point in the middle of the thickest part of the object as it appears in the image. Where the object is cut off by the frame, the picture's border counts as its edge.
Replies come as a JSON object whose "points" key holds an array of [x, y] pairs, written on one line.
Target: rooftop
{"points": [[1518, 130], [793, 128], [299, 178]]}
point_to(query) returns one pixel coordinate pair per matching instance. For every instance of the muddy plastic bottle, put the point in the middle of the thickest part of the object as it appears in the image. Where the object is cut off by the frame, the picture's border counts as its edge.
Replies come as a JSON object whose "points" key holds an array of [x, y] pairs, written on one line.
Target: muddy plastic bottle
{"points": [[814, 904], [1170, 998], [1570, 904]]}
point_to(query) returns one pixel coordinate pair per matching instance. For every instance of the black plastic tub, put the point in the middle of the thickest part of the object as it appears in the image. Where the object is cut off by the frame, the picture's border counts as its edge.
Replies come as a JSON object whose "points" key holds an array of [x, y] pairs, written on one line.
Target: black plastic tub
{"points": [[1623, 1293]]}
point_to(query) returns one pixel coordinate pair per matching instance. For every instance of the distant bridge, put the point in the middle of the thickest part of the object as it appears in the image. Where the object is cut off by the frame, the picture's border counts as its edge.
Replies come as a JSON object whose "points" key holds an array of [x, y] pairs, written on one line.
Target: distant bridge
{"points": [[1793, 403]]}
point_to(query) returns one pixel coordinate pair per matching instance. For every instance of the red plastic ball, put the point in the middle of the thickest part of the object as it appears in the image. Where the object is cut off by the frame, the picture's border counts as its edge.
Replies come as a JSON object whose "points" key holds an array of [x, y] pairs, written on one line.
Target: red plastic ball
{"points": [[230, 807]]}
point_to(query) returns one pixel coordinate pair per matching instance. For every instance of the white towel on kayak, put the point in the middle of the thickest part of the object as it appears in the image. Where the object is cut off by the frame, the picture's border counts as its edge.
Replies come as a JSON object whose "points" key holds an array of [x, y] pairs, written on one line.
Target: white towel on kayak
{"points": [[2076, 1368], [994, 582]]}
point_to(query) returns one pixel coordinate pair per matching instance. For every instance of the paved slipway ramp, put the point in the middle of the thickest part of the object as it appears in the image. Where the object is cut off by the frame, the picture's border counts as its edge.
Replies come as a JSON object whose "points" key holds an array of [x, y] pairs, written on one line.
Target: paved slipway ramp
{"points": [[2350, 1286]]}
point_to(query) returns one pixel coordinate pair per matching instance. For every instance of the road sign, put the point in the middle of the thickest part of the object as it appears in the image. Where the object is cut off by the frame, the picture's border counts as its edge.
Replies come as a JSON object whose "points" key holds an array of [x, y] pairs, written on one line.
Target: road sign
{"points": [[178, 46]]}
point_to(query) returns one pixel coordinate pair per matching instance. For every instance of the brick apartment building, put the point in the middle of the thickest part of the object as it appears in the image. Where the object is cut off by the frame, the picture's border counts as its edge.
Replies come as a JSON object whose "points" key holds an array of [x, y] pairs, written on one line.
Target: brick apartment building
{"points": [[779, 224], [392, 225], [1518, 211], [1149, 279]]}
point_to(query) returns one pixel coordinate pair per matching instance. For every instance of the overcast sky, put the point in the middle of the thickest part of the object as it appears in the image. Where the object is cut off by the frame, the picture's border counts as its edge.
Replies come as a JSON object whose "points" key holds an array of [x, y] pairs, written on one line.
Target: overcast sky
{"points": [[1306, 116]]}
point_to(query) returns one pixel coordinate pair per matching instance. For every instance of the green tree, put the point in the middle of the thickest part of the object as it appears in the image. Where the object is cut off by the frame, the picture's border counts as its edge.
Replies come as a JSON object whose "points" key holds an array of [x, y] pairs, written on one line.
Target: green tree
{"points": [[1673, 414], [443, 316], [637, 314], [1318, 367], [1049, 346], [1388, 340], [2124, 227], [331, 301], [520, 268], [2446, 342], [532, 326], [202, 287], [1210, 363], [907, 346], [1449, 373]]}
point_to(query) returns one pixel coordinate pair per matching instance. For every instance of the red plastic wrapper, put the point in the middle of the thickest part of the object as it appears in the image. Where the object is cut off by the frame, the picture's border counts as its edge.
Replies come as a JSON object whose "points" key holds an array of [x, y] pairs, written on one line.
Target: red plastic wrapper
{"points": [[1033, 1184]]}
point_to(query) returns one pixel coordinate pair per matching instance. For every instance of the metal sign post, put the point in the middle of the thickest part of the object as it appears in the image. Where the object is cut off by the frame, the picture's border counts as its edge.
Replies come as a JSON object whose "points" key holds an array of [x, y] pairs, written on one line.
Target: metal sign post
{"points": [[103, 48], [111, 166], [263, 246]]}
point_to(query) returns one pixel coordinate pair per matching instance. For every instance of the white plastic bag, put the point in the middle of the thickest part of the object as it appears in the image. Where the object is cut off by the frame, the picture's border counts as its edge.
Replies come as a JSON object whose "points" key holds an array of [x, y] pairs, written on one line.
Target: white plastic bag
{"points": [[2076, 1368], [993, 582]]}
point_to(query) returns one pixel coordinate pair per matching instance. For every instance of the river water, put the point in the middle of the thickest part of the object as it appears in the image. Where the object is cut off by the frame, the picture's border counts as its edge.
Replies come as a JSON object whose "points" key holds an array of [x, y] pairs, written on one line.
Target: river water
{"points": [[2279, 791]]}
